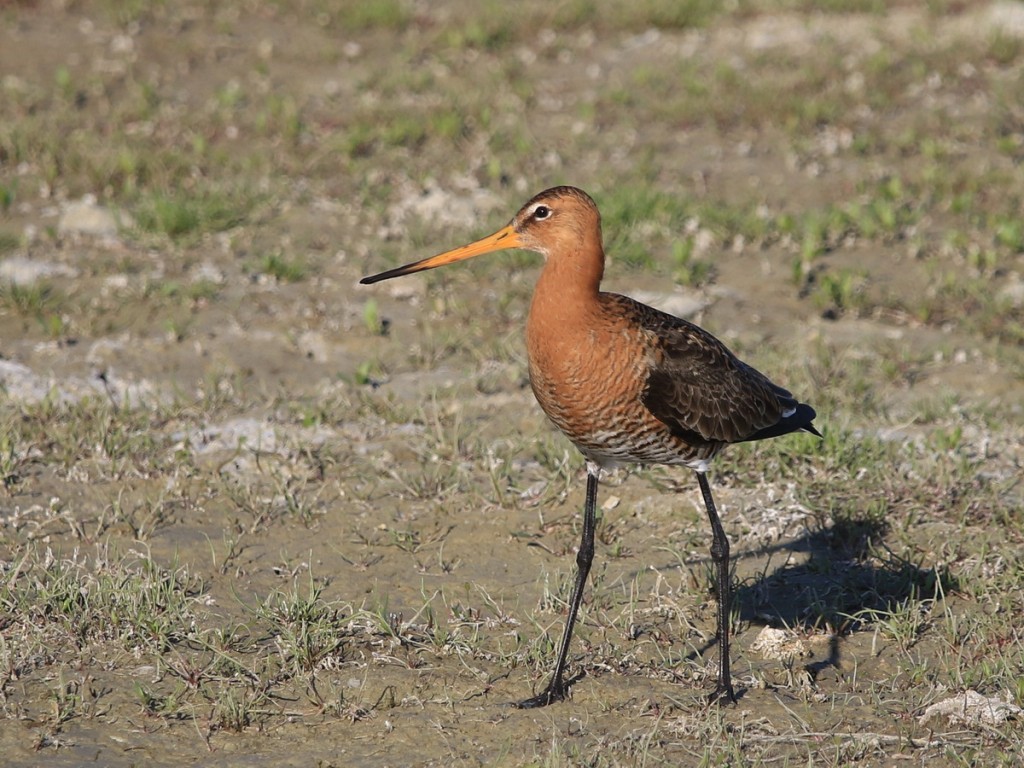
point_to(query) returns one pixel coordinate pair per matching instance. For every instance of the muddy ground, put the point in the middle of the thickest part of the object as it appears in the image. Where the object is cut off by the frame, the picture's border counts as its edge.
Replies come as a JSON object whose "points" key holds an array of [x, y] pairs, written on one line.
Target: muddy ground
{"points": [[253, 513]]}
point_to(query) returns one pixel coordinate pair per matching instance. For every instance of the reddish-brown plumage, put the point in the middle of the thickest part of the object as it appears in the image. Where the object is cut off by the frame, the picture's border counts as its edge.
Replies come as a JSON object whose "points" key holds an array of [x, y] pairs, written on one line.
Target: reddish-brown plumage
{"points": [[625, 382]]}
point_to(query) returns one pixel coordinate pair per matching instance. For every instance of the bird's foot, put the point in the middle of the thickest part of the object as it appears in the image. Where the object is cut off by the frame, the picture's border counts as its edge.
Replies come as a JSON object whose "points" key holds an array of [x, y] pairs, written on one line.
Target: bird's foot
{"points": [[723, 694], [556, 691]]}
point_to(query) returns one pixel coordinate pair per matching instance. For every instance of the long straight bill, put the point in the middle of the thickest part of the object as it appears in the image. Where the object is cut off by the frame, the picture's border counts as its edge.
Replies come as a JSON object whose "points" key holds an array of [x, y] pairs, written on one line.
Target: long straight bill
{"points": [[499, 241]]}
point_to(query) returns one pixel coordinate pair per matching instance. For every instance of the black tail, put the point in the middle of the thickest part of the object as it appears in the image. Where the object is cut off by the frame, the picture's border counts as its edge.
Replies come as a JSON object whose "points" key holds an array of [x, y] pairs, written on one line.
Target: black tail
{"points": [[799, 420]]}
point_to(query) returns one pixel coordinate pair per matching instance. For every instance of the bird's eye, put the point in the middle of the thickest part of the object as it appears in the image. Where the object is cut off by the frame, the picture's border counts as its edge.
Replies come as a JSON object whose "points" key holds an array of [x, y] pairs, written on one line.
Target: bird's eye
{"points": [[541, 212]]}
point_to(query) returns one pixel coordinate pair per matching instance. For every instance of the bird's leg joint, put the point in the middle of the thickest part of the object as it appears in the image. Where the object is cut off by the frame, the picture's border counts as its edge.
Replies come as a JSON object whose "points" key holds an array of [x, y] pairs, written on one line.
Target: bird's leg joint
{"points": [[719, 549], [584, 558]]}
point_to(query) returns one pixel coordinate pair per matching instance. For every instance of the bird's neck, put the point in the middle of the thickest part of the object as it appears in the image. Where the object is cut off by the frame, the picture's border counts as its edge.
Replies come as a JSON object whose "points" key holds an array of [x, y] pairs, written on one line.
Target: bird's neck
{"points": [[569, 282], [565, 304]]}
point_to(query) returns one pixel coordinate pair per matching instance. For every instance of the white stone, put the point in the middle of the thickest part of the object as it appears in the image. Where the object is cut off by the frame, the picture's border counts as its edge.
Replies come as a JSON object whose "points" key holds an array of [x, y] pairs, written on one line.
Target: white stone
{"points": [[85, 217]]}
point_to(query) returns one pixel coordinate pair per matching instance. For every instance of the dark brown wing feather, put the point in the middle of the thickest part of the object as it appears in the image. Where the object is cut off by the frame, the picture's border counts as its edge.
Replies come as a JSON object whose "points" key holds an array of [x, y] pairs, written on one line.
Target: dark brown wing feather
{"points": [[702, 390]]}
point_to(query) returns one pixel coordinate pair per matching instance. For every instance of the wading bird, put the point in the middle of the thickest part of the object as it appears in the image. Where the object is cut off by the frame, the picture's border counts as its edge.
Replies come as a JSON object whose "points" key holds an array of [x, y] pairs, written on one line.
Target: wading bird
{"points": [[626, 383]]}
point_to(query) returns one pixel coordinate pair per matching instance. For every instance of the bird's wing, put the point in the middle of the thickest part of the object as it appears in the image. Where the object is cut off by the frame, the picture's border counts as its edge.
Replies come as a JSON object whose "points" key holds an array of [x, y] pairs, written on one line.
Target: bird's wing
{"points": [[700, 389]]}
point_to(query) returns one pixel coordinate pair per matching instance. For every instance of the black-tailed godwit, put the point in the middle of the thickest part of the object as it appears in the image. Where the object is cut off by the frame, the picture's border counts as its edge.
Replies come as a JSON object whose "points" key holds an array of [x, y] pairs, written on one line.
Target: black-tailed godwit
{"points": [[626, 383]]}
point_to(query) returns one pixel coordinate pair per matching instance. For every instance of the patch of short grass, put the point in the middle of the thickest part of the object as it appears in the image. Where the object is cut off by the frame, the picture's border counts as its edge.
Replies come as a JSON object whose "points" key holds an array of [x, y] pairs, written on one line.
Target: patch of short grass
{"points": [[71, 602], [28, 299], [354, 16], [111, 439], [39, 302], [129, 606], [308, 632], [493, 26], [8, 194], [8, 241], [281, 268], [182, 215]]}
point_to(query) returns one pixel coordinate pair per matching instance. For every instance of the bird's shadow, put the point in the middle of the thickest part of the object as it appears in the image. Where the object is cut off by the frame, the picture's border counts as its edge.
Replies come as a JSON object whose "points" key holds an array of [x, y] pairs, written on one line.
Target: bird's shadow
{"points": [[836, 578], [849, 576]]}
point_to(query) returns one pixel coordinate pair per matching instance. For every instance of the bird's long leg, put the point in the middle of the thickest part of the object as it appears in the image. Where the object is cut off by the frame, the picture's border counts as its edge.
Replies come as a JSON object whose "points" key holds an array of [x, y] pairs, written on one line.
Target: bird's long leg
{"points": [[557, 689], [720, 557]]}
